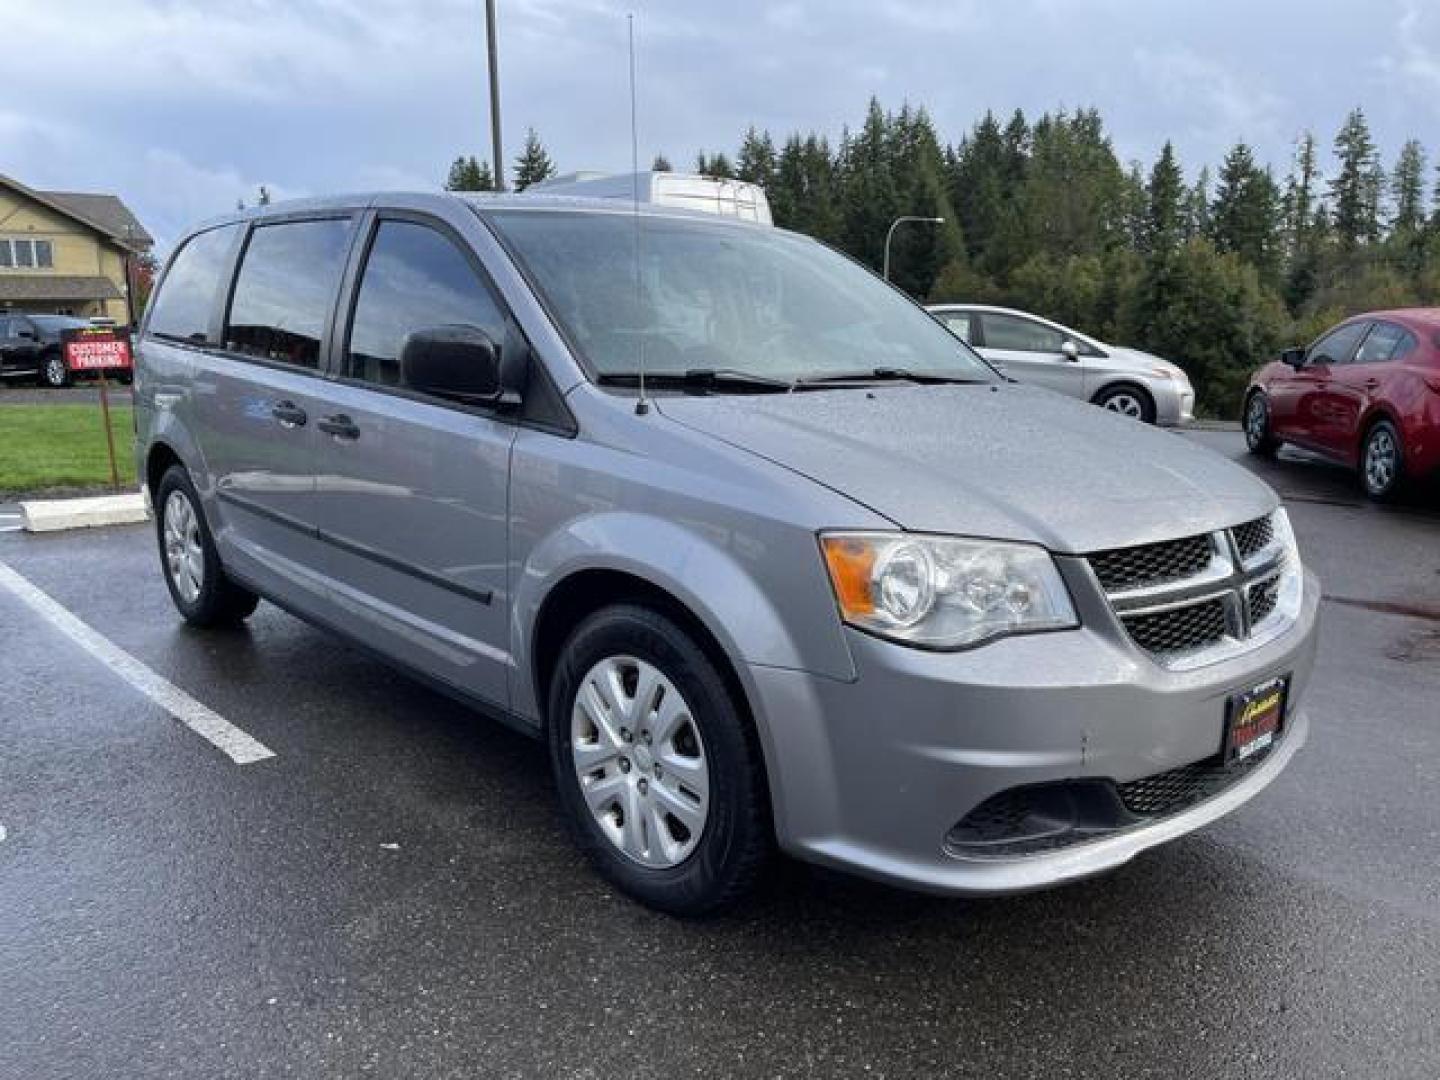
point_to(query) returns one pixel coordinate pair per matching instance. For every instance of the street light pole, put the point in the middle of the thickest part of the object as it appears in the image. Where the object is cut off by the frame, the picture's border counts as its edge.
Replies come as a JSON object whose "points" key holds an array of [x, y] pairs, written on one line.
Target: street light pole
{"points": [[495, 150], [891, 235]]}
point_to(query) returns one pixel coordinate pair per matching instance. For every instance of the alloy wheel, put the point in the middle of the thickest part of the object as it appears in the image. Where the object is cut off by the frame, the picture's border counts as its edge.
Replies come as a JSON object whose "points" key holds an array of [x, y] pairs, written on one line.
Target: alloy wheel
{"points": [[184, 553], [1255, 419], [1382, 460], [1126, 404], [640, 761], [55, 371]]}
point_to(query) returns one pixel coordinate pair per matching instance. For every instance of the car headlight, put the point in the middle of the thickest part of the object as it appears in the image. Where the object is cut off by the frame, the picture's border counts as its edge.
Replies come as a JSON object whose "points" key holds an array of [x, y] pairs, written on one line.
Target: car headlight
{"points": [[1163, 373], [943, 592], [1290, 591]]}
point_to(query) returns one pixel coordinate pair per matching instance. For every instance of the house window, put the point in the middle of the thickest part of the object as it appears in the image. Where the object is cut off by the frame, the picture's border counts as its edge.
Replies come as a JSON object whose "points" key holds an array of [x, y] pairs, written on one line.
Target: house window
{"points": [[26, 254]]}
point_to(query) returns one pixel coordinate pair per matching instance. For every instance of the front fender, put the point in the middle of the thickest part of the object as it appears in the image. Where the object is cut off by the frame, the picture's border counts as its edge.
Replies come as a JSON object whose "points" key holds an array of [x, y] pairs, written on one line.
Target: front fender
{"points": [[748, 620]]}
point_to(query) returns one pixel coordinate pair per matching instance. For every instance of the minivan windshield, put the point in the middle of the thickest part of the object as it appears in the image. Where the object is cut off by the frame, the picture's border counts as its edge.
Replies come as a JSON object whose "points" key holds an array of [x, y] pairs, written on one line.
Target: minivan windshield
{"points": [[734, 301]]}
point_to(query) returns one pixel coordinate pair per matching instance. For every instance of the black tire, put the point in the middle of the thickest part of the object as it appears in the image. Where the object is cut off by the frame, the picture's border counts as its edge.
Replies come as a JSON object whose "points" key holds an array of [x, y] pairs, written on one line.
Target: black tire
{"points": [[1128, 400], [1259, 439], [737, 839], [1382, 482], [53, 372], [219, 601]]}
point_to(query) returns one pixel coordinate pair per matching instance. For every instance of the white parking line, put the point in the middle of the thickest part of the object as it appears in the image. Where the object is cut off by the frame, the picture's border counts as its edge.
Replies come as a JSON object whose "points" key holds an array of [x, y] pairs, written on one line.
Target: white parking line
{"points": [[11, 523], [209, 725]]}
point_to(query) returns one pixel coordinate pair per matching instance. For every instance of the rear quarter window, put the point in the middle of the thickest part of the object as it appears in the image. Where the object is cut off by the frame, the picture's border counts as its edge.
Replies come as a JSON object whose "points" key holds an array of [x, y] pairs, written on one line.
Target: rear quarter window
{"points": [[182, 308]]}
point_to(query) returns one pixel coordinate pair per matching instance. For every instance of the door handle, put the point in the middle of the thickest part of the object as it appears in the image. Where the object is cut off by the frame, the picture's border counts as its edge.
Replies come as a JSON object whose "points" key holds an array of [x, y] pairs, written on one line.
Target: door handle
{"points": [[289, 414], [339, 425], [1371, 384]]}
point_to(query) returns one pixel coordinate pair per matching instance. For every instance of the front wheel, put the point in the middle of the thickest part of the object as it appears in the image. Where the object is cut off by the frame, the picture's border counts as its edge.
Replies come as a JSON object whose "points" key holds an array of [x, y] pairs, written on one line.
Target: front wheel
{"points": [[1259, 439], [658, 769], [1382, 462], [1128, 401], [53, 372], [198, 585]]}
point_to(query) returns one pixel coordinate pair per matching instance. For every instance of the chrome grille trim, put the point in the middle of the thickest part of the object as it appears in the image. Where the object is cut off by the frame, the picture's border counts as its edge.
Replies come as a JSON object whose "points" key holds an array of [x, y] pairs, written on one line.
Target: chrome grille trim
{"points": [[1216, 611]]}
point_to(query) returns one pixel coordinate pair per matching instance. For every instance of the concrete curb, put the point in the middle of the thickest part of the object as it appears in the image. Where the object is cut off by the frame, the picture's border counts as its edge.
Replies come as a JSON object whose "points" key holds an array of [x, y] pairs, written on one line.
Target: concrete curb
{"points": [[54, 515]]}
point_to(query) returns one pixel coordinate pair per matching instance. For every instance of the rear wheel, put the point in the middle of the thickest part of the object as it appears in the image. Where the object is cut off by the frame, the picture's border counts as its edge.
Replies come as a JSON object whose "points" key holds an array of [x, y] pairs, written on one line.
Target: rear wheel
{"points": [[1382, 462], [1258, 437], [1128, 401], [53, 372], [198, 585], [658, 770]]}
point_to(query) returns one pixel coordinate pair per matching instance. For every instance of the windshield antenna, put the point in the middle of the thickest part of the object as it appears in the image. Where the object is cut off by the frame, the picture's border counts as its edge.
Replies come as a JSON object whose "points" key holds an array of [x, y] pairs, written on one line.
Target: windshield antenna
{"points": [[642, 404]]}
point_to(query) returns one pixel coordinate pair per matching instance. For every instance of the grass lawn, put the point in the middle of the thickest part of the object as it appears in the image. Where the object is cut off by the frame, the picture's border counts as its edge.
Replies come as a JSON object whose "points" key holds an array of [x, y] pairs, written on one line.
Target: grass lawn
{"points": [[50, 446]]}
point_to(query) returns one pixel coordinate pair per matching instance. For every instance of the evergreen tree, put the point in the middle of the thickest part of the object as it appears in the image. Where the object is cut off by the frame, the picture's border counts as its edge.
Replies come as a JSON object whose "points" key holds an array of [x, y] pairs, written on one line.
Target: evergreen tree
{"points": [[1245, 214], [661, 164], [869, 200], [1197, 206], [1304, 226], [756, 161], [718, 166], [1165, 225], [469, 174], [920, 251], [534, 164], [1355, 189], [1407, 189]]}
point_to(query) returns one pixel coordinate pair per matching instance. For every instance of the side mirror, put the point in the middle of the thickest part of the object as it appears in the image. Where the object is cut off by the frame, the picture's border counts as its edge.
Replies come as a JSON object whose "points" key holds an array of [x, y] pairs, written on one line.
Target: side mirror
{"points": [[1295, 357], [459, 363], [1070, 350]]}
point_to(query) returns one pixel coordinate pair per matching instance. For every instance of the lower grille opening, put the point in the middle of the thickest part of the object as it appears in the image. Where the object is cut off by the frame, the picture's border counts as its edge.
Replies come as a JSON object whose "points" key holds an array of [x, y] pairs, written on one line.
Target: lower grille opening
{"points": [[1037, 818], [1179, 630]]}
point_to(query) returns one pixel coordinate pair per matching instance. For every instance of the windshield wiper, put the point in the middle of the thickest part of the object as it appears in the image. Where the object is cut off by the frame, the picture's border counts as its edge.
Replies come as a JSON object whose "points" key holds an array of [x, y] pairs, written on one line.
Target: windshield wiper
{"points": [[892, 374], [704, 379]]}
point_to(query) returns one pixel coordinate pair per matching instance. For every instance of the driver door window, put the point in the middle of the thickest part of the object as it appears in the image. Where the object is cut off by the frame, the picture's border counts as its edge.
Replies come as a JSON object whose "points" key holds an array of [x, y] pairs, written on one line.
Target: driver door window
{"points": [[1338, 346], [414, 277]]}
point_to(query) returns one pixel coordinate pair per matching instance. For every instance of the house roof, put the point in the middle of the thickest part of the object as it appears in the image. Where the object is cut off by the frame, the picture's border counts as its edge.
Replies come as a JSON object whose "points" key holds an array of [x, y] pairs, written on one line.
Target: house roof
{"points": [[28, 287], [81, 206], [104, 210]]}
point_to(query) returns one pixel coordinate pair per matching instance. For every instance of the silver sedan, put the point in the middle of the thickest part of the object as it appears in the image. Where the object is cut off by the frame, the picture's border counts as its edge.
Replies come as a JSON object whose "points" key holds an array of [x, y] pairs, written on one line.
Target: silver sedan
{"points": [[1030, 349]]}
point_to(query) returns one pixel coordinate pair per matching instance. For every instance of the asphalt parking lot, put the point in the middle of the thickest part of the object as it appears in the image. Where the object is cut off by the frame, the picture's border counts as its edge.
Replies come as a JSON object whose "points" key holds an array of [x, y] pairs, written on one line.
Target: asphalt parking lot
{"points": [[391, 893]]}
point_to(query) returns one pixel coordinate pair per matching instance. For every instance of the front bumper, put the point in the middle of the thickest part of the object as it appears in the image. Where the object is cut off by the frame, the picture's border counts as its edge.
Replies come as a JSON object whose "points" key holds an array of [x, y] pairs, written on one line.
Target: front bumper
{"points": [[1174, 403], [872, 775]]}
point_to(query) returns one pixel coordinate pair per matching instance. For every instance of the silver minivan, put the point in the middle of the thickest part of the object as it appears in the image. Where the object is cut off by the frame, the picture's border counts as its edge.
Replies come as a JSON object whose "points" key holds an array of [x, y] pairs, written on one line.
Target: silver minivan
{"points": [[766, 556]]}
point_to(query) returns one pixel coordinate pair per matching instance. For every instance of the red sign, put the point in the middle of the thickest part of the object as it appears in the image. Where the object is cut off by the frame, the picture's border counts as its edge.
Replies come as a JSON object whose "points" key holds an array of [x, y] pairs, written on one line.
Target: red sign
{"points": [[97, 349]]}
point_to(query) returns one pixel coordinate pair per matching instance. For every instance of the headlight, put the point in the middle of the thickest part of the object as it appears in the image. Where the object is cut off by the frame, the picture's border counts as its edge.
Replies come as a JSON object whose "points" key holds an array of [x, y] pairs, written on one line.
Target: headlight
{"points": [[1163, 373], [942, 592], [1289, 596]]}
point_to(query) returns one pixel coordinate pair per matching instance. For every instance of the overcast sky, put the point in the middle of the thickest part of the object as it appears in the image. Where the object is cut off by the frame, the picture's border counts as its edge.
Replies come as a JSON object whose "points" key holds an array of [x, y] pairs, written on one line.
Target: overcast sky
{"points": [[183, 106]]}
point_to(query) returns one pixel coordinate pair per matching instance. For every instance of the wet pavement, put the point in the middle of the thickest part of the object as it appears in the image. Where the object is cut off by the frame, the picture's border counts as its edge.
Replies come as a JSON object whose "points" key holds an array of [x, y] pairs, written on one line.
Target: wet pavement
{"points": [[391, 894]]}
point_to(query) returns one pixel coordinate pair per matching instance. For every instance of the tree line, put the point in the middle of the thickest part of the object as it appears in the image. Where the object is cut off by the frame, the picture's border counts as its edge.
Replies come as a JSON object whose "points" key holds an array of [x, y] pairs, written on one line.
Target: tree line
{"points": [[1217, 273]]}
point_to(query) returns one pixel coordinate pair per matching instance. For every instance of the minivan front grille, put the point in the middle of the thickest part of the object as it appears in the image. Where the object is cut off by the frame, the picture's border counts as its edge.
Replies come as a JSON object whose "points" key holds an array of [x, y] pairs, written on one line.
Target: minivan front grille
{"points": [[1179, 630], [1182, 600], [1152, 564], [1254, 537]]}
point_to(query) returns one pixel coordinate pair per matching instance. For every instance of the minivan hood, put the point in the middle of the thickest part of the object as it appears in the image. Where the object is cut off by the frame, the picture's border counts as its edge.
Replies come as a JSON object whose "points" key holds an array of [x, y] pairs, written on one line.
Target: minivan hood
{"points": [[999, 461]]}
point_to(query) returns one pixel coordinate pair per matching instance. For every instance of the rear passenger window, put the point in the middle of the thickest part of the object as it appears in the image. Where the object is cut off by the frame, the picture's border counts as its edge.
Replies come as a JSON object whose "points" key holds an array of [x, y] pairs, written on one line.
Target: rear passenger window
{"points": [[284, 289], [1386, 342], [181, 310], [414, 277]]}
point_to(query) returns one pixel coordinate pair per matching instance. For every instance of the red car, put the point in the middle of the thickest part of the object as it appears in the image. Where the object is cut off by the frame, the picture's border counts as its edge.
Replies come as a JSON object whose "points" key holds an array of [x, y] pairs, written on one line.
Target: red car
{"points": [[1366, 394]]}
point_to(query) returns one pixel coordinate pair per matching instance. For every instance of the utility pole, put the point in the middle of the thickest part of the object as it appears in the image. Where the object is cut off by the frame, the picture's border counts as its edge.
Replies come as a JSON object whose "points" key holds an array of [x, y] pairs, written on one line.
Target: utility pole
{"points": [[495, 149]]}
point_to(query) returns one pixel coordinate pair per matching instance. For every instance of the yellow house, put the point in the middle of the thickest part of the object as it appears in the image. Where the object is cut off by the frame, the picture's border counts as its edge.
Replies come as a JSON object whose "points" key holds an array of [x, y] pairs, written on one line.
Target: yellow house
{"points": [[66, 252]]}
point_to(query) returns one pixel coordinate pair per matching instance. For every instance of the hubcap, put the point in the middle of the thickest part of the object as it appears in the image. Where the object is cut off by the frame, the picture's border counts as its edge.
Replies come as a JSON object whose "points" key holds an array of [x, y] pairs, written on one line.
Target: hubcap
{"points": [[184, 556], [1126, 404], [55, 370], [1380, 460], [649, 793]]}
